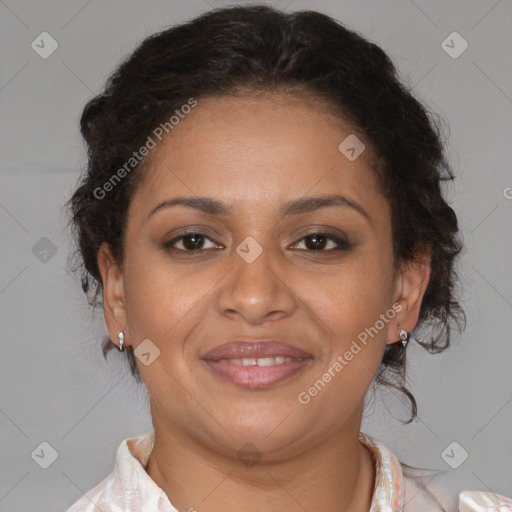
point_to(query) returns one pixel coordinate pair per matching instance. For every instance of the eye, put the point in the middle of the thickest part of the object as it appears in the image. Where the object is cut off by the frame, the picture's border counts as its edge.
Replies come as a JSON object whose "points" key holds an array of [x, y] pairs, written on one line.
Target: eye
{"points": [[314, 241], [318, 241], [190, 241]]}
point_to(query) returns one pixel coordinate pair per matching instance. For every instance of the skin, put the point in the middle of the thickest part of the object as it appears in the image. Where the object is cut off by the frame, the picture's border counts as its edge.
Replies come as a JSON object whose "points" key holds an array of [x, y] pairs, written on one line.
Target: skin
{"points": [[256, 154]]}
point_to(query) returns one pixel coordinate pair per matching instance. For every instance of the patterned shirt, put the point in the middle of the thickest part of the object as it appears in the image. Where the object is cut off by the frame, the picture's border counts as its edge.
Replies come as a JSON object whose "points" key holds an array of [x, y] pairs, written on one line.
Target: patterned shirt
{"points": [[130, 489]]}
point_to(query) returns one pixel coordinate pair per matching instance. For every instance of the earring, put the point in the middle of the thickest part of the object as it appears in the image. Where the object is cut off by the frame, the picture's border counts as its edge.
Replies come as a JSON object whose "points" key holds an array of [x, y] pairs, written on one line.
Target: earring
{"points": [[403, 337], [121, 340]]}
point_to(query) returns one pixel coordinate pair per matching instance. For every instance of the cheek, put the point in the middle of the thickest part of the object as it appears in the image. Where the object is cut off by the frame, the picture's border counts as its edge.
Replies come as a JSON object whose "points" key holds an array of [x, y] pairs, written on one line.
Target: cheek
{"points": [[351, 298], [162, 298], [348, 307]]}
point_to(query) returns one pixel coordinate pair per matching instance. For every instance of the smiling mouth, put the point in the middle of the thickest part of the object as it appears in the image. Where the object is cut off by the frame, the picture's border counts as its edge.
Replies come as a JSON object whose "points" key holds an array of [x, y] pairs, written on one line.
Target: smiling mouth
{"points": [[258, 373]]}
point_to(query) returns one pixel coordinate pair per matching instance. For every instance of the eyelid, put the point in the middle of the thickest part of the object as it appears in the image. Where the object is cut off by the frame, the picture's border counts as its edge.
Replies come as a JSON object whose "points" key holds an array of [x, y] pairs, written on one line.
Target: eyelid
{"points": [[326, 231]]}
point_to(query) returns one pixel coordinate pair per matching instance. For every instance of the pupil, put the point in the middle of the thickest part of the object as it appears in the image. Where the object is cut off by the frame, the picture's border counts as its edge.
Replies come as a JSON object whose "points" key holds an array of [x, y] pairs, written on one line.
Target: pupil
{"points": [[194, 245], [315, 239]]}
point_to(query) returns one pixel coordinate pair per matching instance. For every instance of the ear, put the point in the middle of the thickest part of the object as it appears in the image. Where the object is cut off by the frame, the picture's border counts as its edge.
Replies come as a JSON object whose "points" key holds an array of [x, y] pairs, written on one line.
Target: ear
{"points": [[113, 294], [410, 285]]}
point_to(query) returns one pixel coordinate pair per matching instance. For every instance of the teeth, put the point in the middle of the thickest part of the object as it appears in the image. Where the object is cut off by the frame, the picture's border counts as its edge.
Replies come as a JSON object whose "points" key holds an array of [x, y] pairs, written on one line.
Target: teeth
{"points": [[261, 361]]}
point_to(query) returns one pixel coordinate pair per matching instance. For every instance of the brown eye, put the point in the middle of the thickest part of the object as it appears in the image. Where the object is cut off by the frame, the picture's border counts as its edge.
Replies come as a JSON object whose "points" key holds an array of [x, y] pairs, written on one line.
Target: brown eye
{"points": [[190, 242], [319, 241]]}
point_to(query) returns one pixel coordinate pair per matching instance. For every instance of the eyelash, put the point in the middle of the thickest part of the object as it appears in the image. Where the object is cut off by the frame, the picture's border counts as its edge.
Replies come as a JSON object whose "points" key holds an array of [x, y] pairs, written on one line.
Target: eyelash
{"points": [[343, 245]]}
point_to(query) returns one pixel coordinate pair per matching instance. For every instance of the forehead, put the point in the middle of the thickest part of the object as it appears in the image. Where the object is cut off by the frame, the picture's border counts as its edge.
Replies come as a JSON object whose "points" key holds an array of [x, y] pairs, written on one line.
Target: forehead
{"points": [[254, 150]]}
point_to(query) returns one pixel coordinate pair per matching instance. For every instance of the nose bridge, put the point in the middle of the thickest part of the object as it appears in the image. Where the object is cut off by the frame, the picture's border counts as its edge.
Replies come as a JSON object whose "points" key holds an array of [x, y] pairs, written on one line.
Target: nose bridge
{"points": [[255, 288], [253, 262]]}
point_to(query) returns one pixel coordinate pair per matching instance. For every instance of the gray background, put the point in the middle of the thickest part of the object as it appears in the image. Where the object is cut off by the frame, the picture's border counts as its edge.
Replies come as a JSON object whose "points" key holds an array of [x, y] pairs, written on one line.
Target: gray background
{"points": [[55, 386]]}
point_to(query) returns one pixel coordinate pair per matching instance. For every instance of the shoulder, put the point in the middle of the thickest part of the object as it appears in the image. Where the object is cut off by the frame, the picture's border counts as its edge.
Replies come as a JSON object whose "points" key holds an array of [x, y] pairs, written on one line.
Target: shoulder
{"points": [[421, 496], [479, 501], [399, 486], [98, 497], [123, 488], [417, 495]]}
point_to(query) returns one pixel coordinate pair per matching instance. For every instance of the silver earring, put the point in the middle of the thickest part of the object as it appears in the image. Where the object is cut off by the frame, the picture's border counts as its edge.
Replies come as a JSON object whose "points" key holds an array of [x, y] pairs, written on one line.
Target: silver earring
{"points": [[121, 340], [403, 337]]}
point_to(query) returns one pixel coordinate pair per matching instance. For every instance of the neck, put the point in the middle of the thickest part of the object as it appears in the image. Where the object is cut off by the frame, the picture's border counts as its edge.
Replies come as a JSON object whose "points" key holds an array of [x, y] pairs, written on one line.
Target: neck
{"points": [[336, 474]]}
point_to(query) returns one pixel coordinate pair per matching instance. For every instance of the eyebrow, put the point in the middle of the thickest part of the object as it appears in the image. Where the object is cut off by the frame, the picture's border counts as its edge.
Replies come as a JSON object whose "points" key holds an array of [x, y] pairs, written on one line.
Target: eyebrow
{"points": [[298, 206]]}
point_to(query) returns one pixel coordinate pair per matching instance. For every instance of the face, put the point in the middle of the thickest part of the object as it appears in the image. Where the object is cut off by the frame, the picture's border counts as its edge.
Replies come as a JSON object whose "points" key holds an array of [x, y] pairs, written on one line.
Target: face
{"points": [[318, 277]]}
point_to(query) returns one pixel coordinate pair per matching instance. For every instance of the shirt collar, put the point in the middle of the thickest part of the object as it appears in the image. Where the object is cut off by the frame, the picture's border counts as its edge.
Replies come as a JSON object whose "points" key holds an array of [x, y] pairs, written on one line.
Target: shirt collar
{"points": [[140, 492], [388, 493]]}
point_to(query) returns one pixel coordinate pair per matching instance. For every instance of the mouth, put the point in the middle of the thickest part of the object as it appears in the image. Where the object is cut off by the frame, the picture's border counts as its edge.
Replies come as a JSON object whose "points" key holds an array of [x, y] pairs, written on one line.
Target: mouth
{"points": [[257, 364]]}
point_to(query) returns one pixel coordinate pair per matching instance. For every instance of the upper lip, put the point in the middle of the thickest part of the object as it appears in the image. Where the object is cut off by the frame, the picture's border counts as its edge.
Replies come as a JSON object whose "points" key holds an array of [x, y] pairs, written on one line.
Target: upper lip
{"points": [[250, 348]]}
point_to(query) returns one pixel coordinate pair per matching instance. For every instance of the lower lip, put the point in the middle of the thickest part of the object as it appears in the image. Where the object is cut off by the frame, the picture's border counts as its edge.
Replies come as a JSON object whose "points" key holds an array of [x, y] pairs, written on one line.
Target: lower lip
{"points": [[257, 377]]}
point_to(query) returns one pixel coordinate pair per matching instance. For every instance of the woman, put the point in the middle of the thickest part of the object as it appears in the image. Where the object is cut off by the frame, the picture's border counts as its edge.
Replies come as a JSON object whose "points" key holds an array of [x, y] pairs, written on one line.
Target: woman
{"points": [[262, 215]]}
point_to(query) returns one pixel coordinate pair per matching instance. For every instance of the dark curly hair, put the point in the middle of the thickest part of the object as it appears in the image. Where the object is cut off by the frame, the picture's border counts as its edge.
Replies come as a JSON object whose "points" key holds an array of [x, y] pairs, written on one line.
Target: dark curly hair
{"points": [[258, 49]]}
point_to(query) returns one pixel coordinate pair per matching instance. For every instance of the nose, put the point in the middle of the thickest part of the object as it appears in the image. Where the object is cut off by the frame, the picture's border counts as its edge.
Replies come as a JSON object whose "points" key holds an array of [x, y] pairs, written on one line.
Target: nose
{"points": [[258, 290]]}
